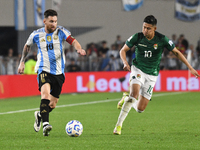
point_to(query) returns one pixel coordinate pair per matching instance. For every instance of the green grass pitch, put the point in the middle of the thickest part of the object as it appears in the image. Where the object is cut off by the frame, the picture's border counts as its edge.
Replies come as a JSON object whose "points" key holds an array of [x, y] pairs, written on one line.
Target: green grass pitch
{"points": [[171, 121]]}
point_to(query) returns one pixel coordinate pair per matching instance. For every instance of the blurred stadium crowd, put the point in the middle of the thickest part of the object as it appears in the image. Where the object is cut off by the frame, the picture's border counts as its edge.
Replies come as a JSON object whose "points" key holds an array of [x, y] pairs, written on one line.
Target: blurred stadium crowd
{"points": [[101, 57]]}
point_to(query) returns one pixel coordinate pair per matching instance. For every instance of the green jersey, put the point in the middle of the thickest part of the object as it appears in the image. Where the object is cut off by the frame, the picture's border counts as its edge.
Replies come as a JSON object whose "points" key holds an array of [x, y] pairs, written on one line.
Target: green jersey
{"points": [[148, 53]]}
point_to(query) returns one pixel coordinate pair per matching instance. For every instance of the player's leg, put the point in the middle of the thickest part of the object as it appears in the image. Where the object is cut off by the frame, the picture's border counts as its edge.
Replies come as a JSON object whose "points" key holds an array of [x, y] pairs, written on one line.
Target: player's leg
{"points": [[44, 88], [136, 81], [128, 102], [57, 83], [44, 108], [141, 104], [45, 100], [51, 106], [43, 114], [145, 94], [56, 87]]}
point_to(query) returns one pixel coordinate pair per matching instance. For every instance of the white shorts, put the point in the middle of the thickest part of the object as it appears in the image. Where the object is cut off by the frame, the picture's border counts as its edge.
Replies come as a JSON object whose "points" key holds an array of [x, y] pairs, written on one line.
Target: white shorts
{"points": [[146, 81]]}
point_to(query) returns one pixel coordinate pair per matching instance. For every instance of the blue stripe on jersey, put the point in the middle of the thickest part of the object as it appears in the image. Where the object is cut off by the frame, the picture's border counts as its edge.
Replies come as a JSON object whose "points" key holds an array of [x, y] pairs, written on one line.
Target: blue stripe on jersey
{"points": [[61, 49], [51, 53]]}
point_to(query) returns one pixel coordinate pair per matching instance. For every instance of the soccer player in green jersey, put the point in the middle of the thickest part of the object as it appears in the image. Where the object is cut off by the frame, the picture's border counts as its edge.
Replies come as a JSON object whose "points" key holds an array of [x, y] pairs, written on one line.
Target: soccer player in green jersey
{"points": [[149, 46]]}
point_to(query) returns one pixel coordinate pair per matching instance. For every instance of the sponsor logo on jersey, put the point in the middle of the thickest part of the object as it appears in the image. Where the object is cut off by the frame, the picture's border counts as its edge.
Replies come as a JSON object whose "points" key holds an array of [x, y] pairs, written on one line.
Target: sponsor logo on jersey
{"points": [[138, 75], [155, 46], [55, 37], [142, 45], [49, 38]]}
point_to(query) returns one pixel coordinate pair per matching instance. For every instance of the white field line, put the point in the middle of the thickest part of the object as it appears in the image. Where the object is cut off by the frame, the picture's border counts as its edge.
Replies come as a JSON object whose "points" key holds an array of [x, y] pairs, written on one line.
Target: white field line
{"points": [[85, 103]]}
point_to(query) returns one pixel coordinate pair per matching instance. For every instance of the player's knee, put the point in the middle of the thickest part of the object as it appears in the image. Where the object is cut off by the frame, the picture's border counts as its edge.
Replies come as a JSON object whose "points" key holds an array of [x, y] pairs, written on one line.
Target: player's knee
{"points": [[45, 95], [53, 103], [140, 109], [53, 106], [135, 96]]}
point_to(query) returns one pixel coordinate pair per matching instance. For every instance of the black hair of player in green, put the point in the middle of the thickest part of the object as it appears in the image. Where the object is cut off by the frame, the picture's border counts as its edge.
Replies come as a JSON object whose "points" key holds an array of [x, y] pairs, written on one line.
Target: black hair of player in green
{"points": [[150, 20]]}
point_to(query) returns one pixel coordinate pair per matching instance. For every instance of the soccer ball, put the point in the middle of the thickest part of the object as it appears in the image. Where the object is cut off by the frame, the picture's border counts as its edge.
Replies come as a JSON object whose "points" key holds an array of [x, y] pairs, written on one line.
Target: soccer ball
{"points": [[74, 128]]}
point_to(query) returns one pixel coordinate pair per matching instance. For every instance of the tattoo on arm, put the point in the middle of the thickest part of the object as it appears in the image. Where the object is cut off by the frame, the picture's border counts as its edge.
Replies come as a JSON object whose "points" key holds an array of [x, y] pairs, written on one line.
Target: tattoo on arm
{"points": [[25, 52]]}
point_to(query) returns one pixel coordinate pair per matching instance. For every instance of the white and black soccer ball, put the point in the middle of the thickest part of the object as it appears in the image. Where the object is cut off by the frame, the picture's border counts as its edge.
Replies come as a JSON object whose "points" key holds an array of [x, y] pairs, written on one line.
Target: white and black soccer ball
{"points": [[74, 128]]}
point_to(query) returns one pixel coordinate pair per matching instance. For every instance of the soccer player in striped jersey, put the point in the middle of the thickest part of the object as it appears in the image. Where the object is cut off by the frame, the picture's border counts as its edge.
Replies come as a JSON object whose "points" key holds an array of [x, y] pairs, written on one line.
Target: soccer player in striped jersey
{"points": [[50, 64], [145, 67]]}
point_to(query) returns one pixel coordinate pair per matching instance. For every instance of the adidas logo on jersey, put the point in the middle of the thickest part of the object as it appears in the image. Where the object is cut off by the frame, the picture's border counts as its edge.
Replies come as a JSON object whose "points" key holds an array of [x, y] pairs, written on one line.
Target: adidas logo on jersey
{"points": [[42, 40]]}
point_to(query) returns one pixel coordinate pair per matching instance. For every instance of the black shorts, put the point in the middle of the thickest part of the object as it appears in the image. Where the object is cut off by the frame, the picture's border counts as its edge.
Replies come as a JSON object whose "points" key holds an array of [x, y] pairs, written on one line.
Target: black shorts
{"points": [[55, 81]]}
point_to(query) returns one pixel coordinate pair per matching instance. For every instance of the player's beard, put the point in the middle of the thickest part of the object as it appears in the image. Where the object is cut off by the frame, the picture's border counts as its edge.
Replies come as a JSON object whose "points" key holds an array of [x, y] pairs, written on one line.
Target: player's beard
{"points": [[50, 29], [147, 36]]}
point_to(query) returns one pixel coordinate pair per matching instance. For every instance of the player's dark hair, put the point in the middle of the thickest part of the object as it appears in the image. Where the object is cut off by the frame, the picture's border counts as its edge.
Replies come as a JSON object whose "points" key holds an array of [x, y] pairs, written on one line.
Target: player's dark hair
{"points": [[150, 20], [50, 12]]}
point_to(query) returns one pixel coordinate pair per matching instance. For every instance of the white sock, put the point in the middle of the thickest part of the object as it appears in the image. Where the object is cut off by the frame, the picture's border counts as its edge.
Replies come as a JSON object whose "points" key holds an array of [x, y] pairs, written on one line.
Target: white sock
{"points": [[124, 111], [135, 104]]}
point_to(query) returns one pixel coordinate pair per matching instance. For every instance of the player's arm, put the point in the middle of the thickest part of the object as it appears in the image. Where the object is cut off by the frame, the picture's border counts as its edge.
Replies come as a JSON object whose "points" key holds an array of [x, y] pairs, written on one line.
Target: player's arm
{"points": [[72, 41], [78, 47], [181, 57], [122, 53], [22, 61]]}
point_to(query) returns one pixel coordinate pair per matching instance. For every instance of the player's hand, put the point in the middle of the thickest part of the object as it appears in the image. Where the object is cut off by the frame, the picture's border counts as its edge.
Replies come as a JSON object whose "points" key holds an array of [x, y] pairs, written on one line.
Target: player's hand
{"points": [[127, 67], [21, 68], [194, 72], [81, 51]]}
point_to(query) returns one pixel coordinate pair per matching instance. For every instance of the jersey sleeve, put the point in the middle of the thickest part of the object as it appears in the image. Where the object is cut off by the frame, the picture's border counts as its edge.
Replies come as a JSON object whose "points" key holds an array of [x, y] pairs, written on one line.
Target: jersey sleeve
{"points": [[132, 40], [169, 44], [30, 41], [67, 35]]}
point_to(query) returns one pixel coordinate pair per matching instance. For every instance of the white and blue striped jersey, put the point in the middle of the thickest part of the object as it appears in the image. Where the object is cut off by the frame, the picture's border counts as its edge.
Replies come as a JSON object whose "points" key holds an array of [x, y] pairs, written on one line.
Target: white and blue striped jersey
{"points": [[50, 55]]}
